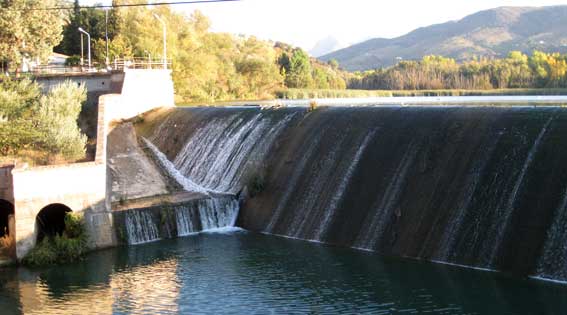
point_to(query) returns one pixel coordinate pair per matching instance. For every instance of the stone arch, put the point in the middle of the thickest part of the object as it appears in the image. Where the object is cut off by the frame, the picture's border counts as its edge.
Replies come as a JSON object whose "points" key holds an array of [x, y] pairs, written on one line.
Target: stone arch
{"points": [[50, 220], [6, 214]]}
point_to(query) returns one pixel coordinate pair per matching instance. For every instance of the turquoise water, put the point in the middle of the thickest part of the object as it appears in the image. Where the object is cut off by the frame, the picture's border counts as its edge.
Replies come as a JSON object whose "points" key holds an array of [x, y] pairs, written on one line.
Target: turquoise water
{"points": [[246, 273]]}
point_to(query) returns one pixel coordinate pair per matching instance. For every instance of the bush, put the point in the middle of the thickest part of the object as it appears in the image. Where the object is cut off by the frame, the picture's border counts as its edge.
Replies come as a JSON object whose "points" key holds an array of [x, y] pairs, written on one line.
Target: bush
{"points": [[66, 248], [45, 123], [73, 61], [312, 105], [57, 120]]}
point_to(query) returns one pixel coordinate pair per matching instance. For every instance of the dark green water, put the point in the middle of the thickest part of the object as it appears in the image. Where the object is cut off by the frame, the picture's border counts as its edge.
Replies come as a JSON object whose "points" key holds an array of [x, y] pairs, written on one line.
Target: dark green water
{"points": [[245, 273]]}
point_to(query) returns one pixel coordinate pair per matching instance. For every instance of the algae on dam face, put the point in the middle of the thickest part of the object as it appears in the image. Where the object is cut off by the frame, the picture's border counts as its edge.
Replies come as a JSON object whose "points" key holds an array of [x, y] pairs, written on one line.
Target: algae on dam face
{"points": [[475, 186]]}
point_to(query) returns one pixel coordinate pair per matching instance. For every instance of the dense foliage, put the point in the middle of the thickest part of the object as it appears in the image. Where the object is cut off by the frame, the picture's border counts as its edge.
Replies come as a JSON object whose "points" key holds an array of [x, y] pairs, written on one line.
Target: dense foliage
{"points": [[26, 32], [69, 247], [540, 70], [29, 120]]}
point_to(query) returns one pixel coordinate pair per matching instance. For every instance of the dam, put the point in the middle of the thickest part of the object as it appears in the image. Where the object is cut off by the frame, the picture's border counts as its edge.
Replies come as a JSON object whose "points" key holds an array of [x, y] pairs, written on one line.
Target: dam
{"points": [[369, 209], [482, 187]]}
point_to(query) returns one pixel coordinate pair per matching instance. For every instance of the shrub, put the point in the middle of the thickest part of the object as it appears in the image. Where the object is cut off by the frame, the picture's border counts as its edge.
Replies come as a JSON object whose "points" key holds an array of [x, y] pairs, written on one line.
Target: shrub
{"points": [[45, 123], [73, 61], [57, 120], [313, 105], [66, 248]]}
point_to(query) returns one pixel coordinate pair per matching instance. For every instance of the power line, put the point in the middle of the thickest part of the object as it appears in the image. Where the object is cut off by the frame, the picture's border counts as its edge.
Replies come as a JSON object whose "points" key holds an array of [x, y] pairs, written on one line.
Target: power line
{"points": [[109, 6]]}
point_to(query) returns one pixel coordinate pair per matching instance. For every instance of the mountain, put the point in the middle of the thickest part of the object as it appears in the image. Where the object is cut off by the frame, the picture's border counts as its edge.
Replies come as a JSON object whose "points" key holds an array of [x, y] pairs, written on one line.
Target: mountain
{"points": [[325, 46], [490, 33]]}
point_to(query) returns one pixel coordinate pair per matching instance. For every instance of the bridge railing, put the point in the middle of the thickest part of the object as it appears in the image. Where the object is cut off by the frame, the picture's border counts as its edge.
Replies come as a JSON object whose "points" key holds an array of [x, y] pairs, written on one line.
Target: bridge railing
{"points": [[140, 63], [117, 64]]}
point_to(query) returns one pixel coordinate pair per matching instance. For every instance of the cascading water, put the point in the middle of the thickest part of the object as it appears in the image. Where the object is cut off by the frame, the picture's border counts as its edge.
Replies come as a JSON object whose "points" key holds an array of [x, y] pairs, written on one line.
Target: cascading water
{"points": [[140, 227], [206, 215], [220, 152], [479, 187], [160, 222]]}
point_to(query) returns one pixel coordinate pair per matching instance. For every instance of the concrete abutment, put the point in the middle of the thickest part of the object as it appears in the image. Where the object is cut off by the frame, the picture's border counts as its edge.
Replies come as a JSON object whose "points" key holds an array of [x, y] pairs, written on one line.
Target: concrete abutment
{"points": [[41, 196]]}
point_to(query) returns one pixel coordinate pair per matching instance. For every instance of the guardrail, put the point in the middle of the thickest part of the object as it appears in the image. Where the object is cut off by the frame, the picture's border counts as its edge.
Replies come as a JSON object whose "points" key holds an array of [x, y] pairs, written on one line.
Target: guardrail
{"points": [[117, 64], [141, 63]]}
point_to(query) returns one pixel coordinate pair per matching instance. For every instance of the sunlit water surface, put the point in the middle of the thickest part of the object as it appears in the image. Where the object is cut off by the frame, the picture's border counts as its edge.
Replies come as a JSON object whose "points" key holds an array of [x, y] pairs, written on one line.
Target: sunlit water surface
{"points": [[245, 273]]}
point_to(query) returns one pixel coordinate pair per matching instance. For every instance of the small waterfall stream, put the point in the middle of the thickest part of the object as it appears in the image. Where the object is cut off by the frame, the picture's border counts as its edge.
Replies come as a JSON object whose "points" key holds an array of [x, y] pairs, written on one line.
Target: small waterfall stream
{"points": [[141, 227], [206, 215], [168, 221]]}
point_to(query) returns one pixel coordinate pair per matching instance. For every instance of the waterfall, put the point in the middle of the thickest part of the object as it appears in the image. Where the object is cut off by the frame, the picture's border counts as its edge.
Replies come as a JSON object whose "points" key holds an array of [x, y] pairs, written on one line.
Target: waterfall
{"points": [[553, 261], [206, 215], [519, 182], [373, 231], [448, 239], [140, 227], [472, 186], [218, 154], [194, 216], [169, 167], [337, 198]]}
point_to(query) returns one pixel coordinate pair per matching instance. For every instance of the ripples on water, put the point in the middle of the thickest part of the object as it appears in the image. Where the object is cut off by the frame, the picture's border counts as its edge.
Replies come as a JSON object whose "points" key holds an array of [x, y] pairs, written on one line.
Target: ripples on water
{"points": [[243, 273]]}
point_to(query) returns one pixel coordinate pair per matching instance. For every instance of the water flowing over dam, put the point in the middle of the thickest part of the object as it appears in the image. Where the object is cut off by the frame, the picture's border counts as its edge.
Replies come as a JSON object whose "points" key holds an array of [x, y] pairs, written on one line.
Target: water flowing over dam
{"points": [[483, 187], [163, 222]]}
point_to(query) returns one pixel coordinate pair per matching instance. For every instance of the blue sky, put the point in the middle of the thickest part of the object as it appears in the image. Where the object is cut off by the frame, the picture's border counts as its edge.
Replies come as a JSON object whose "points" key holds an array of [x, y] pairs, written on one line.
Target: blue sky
{"points": [[304, 22]]}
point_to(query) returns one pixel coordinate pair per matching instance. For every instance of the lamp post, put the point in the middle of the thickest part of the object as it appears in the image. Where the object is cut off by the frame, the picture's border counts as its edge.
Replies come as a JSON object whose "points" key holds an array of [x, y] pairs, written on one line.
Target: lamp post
{"points": [[164, 40], [106, 34], [89, 43], [82, 51], [149, 58]]}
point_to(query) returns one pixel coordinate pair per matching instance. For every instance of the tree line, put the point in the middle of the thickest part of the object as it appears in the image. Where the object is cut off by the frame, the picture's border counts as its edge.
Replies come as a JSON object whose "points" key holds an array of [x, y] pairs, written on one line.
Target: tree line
{"points": [[517, 70]]}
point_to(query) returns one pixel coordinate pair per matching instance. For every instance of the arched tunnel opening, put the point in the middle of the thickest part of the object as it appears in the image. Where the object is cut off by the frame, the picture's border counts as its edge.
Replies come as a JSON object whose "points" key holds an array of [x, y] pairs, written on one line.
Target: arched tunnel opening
{"points": [[50, 221], [6, 212]]}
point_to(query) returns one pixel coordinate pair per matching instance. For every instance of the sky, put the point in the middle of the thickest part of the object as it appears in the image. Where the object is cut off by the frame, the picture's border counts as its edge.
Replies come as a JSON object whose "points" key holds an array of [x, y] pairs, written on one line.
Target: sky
{"points": [[304, 22]]}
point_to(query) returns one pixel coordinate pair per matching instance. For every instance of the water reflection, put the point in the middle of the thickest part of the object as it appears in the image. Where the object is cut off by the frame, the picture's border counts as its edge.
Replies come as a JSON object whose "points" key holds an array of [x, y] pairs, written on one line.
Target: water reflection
{"points": [[247, 274]]}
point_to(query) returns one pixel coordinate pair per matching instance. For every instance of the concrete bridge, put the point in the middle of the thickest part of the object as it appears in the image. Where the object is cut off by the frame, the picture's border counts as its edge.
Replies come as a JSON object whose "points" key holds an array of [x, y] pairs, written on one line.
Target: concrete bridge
{"points": [[34, 201]]}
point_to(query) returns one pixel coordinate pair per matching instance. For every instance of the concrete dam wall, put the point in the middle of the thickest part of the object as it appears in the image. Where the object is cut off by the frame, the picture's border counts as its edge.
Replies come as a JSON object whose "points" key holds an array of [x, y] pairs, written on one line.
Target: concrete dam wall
{"points": [[482, 187]]}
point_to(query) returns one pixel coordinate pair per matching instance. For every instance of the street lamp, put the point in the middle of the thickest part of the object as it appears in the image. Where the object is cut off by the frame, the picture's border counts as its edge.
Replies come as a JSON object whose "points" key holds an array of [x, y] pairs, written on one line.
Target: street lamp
{"points": [[106, 34], [149, 58], [89, 45], [164, 40]]}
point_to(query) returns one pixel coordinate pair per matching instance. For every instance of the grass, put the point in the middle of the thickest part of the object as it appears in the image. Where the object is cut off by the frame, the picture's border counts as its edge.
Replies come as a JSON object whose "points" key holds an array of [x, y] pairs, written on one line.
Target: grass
{"points": [[294, 94]]}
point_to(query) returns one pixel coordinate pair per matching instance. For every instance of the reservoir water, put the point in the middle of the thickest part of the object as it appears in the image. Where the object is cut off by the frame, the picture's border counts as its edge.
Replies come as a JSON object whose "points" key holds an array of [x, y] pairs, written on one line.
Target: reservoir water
{"points": [[247, 273]]}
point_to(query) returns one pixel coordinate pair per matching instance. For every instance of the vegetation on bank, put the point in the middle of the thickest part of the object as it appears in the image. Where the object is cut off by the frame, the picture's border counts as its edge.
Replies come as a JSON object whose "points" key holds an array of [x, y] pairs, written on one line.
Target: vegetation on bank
{"points": [[516, 71], [69, 247], [297, 94], [40, 129]]}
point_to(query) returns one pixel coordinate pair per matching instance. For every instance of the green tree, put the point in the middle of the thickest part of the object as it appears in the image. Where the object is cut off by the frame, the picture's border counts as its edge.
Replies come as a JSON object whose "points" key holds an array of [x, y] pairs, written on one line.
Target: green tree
{"points": [[299, 74], [71, 42], [28, 32]]}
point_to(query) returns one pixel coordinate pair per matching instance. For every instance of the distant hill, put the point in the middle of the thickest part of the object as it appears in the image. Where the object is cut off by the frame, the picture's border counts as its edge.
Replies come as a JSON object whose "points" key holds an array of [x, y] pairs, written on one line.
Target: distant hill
{"points": [[325, 46], [490, 33]]}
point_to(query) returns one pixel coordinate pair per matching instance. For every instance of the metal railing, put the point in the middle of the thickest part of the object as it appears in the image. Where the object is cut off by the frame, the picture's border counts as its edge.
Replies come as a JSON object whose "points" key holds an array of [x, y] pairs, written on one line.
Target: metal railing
{"points": [[140, 63], [117, 64]]}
